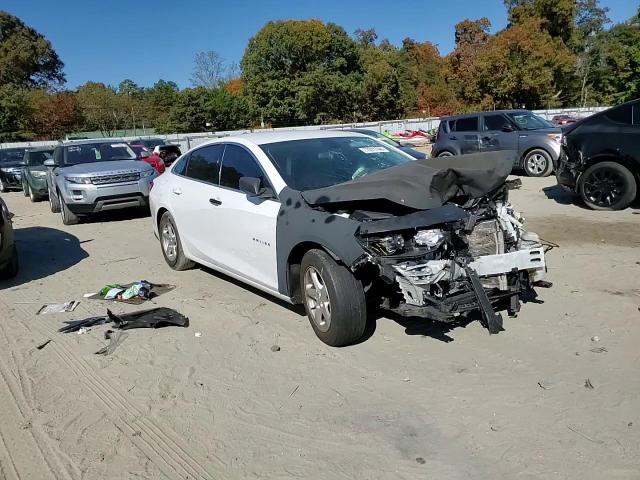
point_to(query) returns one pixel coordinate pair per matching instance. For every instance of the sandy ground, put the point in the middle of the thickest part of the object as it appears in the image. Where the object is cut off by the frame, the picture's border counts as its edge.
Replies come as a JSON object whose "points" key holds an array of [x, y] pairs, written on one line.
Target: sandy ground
{"points": [[414, 400]]}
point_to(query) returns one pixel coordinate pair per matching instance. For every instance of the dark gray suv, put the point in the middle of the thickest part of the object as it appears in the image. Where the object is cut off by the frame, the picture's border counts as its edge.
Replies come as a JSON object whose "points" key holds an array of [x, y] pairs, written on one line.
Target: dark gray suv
{"points": [[536, 140]]}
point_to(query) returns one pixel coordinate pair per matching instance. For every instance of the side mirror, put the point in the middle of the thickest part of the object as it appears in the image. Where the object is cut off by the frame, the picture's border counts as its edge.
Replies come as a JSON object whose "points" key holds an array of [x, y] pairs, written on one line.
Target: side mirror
{"points": [[144, 154], [49, 162], [507, 128], [251, 186]]}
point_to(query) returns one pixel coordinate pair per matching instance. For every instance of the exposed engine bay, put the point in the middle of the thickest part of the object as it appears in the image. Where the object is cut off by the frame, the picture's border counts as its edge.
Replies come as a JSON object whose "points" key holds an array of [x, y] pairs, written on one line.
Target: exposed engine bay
{"points": [[471, 257]]}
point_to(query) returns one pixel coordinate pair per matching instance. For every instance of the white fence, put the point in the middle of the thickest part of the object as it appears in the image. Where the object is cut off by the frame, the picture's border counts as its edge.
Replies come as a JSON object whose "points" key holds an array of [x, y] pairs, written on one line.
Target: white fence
{"points": [[189, 140]]}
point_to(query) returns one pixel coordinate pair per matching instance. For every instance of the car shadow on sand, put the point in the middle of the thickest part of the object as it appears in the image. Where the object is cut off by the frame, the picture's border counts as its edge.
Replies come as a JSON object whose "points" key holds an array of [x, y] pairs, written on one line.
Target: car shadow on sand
{"points": [[42, 252]]}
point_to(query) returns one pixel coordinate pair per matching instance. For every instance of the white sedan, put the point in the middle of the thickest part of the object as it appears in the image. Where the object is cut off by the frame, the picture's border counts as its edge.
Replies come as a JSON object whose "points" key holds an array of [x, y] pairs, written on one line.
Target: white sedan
{"points": [[335, 220]]}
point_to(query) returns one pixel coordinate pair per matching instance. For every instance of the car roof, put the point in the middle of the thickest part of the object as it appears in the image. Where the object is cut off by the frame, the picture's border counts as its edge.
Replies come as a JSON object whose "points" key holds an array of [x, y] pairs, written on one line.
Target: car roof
{"points": [[263, 138], [42, 149], [89, 141], [488, 112]]}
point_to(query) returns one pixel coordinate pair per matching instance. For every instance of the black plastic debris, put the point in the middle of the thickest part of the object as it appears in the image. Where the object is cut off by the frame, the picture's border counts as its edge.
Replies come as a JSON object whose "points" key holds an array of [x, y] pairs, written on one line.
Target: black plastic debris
{"points": [[153, 318]]}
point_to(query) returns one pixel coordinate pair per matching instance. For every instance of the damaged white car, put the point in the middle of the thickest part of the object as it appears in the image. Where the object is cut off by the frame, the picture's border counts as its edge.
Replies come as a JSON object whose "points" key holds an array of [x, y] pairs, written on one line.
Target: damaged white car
{"points": [[339, 222]]}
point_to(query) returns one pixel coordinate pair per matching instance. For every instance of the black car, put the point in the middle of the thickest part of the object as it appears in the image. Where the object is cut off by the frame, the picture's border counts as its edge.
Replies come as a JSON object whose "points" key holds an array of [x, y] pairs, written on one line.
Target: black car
{"points": [[11, 162], [405, 148], [8, 252], [600, 157], [149, 143]]}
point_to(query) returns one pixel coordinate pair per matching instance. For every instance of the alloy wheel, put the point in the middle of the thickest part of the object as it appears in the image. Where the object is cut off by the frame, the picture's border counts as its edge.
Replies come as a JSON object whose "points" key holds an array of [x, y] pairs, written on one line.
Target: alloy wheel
{"points": [[317, 299], [536, 164], [604, 187], [169, 242]]}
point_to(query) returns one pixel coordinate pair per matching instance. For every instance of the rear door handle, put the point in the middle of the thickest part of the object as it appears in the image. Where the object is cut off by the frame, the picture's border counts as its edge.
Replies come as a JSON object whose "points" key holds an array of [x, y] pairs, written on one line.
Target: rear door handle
{"points": [[177, 191], [215, 202]]}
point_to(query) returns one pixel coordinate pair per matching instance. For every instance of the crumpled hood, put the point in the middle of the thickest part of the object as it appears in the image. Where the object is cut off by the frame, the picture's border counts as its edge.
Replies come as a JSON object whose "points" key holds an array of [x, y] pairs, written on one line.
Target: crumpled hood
{"points": [[107, 167], [423, 184]]}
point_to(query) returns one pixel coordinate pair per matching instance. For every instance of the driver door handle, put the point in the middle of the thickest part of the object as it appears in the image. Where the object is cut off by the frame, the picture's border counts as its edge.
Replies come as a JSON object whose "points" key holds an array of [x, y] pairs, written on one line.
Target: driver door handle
{"points": [[215, 202], [177, 191]]}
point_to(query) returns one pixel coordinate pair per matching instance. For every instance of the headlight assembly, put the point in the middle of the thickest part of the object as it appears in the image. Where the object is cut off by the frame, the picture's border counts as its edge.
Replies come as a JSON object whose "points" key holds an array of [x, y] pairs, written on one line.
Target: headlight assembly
{"points": [[147, 173], [79, 180]]}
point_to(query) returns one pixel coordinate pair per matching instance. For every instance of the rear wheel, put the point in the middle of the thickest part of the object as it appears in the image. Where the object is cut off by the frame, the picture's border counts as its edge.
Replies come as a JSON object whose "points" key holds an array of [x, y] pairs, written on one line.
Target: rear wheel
{"points": [[607, 186], [171, 244], [445, 153], [538, 163], [54, 202], [68, 217], [333, 299]]}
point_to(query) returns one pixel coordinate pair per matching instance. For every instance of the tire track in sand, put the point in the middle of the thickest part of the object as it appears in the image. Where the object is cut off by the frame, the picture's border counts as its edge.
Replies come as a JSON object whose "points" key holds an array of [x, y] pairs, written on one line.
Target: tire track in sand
{"points": [[161, 445]]}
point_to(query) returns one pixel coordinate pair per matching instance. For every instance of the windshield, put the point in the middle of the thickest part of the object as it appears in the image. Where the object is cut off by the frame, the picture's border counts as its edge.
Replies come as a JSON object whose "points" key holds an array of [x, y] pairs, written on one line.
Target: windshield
{"points": [[529, 121], [322, 162], [13, 155], [98, 152], [37, 159]]}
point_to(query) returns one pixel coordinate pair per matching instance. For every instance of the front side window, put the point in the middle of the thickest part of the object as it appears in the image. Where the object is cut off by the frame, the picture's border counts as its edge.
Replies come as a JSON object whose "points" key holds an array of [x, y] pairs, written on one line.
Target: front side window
{"points": [[529, 121], [467, 124], [494, 122], [238, 163], [321, 162], [98, 152], [204, 164], [180, 167]]}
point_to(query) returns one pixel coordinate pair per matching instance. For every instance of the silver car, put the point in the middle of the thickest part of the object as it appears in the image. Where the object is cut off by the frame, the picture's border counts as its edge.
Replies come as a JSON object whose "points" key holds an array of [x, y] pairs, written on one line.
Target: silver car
{"points": [[534, 141], [91, 176]]}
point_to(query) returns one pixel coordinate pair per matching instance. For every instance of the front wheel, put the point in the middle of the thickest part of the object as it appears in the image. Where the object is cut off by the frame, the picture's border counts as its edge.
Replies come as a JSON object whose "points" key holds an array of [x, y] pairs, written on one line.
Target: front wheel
{"points": [[333, 299], [68, 217], [11, 270], [33, 197], [171, 244], [607, 186], [538, 163], [3, 187], [25, 189]]}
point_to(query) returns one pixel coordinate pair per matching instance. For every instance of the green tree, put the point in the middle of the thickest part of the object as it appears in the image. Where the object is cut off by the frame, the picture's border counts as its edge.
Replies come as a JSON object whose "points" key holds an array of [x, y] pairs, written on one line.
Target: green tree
{"points": [[102, 108], [531, 66], [14, 113], [616, 59], [158, 101], [27, 58], [301, 71]]}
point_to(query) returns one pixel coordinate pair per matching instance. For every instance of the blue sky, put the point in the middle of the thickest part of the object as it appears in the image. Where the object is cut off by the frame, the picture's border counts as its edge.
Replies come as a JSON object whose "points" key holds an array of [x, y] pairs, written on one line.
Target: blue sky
{"points": [[146, 40]]}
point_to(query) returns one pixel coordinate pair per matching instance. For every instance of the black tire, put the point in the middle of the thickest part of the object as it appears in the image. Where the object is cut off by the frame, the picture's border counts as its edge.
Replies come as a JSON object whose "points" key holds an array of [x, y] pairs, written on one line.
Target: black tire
{"points": [[33, 197], [25, 189], [166, 229], [11, 270], [445, 153], [3, 187], [347, 306], [68, 217], [607, 186], [54, 203], [537, 163]]}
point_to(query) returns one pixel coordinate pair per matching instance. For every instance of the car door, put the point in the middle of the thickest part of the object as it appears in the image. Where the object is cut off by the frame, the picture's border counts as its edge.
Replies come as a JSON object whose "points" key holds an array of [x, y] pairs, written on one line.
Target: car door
{"points": [[466, 132], [245, 237], [495, 135], [192, 186]]}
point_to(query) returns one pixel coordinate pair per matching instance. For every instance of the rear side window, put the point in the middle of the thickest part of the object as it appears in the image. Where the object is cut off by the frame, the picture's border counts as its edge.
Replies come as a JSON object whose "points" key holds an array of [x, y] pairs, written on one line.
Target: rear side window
{"points": [[494, 122], [622, 115], [238, 163], [466, 124], [204, 164]]}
